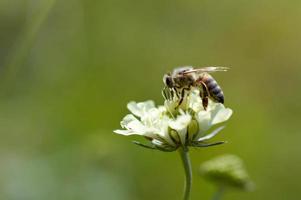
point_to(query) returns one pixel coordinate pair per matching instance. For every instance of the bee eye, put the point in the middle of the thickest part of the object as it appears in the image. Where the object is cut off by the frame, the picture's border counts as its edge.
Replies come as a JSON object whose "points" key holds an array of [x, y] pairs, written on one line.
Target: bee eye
{"points": [[168, 81]]}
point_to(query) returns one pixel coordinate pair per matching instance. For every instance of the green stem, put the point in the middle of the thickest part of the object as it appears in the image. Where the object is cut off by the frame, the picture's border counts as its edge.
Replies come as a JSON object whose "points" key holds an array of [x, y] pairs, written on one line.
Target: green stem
{"points": [[218, 194], [188, 172]]}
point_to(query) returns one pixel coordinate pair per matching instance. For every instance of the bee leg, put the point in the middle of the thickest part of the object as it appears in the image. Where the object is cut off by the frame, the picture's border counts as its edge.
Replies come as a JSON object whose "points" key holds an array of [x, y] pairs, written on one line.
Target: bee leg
{"points": [[166, 93], [177, 93], [181, 98], [204, 95], [171, 94]]}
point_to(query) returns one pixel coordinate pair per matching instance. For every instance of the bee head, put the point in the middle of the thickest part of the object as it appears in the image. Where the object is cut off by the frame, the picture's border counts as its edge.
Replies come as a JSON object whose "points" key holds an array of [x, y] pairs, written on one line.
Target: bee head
{"points": [[167, 79]]}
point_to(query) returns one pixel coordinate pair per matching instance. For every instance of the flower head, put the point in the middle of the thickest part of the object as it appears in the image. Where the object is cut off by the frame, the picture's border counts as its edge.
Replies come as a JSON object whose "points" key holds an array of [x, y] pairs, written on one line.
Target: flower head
{"points": [[227, 171], [169, 126]]}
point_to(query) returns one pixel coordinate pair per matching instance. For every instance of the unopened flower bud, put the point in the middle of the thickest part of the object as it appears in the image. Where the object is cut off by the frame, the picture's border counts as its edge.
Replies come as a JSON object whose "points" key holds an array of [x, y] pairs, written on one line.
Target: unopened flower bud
{"points": [[227, 171], [193, 128], [175, 136]]}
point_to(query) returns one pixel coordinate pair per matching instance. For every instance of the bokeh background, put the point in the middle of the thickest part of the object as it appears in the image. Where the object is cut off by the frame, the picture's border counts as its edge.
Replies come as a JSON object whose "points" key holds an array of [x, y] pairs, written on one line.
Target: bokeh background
{"points": [[68, 69]]}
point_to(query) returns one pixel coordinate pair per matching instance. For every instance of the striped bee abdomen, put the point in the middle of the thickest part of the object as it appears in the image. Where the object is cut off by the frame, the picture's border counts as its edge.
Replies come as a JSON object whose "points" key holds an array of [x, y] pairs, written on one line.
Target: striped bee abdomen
{"points": [[214, 89]]}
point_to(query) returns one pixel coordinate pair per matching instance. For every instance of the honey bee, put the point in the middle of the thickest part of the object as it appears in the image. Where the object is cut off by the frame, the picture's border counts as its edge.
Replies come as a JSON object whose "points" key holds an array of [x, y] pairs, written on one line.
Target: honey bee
{"points": [[184, 78]]}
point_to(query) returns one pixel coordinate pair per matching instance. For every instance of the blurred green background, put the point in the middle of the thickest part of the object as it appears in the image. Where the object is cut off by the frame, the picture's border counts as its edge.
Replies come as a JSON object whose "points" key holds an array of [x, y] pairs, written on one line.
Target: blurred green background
{"points": [[68, 69]]}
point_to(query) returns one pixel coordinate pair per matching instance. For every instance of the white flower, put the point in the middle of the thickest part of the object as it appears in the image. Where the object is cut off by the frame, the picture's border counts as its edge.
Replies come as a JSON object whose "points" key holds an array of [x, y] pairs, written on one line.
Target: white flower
{"points": [[168, 127], [153, 123]]}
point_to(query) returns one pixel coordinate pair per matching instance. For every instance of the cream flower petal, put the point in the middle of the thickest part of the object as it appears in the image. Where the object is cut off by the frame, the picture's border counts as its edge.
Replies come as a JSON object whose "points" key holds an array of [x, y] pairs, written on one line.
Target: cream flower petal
{"points": [[141, 108], [216, 113], [204, 118], [124, 132], [211, 135], [133, 126], [221, 114], [157, 119], [152, 116]]}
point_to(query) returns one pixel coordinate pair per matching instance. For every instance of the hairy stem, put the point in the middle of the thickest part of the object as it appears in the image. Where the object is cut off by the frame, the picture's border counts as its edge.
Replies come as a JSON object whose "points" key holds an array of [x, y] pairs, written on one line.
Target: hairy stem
{"points": [[188, 172]]}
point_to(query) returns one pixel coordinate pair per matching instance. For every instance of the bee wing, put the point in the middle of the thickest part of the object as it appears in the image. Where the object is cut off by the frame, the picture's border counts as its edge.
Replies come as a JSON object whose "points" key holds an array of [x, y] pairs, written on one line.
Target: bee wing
{"points": [[207, 69]]}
